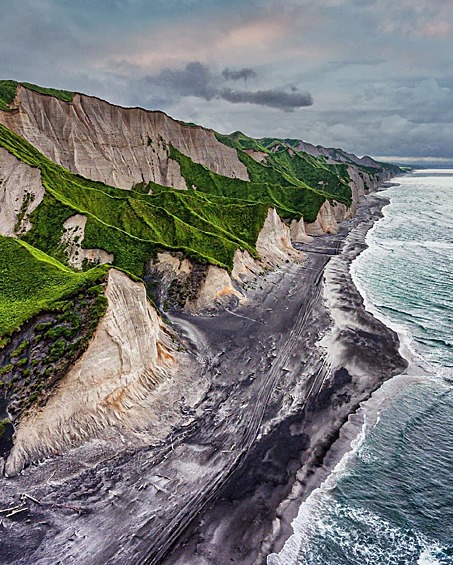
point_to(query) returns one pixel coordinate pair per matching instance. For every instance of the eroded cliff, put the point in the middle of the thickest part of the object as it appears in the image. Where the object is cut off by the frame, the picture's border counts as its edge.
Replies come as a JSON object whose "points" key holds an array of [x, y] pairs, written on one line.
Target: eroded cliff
{"points": [[178, 283], [118, 146], [110, 389], [222, 211], [21, 192]]}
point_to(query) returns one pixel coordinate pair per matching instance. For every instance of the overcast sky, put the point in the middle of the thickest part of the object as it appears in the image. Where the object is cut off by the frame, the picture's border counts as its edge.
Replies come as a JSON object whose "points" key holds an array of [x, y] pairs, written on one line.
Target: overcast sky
{"points": [[371, 76]]}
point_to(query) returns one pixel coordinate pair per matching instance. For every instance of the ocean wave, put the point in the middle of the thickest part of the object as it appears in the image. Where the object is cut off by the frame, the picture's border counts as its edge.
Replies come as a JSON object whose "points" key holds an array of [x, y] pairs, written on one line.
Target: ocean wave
{"points": [[407, 348], [403, 243], [338, 532]]}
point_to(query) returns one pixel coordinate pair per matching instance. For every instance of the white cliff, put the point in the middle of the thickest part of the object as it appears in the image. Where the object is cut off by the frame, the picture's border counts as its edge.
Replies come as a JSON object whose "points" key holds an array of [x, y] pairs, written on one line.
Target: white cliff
{"points": [[214, 287], [21, 191], [328, 219], [111, 387], [117, 146], [71, 240], [274, 241], [298, 232]]}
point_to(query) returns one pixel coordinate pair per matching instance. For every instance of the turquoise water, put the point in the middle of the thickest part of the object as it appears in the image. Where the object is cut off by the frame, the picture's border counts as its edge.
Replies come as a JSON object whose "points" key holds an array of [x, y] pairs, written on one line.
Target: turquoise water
{"points": [[390, 499]]}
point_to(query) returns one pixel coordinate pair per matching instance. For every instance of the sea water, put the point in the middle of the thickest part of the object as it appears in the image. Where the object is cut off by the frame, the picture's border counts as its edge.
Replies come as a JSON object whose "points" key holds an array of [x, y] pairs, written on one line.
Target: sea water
{"points": [[390, 498]]}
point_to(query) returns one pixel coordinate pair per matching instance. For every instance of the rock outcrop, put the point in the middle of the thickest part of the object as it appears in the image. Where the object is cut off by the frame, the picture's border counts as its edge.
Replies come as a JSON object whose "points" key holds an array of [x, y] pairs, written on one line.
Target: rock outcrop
{"points": [[298, 232], [74, 232], [335, 155], [118, 146], [328, 218], [111, 386], [21, 191], [274, 241], [331, 214]]}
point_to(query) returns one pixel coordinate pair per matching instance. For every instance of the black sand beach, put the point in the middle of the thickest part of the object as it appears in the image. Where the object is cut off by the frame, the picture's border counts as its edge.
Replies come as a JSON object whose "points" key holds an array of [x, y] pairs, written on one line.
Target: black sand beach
{"points": [[227, 484]]}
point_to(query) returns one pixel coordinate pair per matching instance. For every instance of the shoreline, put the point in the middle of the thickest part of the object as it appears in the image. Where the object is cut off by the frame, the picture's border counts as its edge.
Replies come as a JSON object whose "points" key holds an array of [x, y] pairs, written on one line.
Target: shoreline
{"points": [[309, 474], [416, 363], [313, 478], [275, 406]]}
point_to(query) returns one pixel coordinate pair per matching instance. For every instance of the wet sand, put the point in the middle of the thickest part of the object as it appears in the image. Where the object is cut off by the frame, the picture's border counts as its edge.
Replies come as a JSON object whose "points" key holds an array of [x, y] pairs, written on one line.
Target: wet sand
{"points": [[226, 485]]}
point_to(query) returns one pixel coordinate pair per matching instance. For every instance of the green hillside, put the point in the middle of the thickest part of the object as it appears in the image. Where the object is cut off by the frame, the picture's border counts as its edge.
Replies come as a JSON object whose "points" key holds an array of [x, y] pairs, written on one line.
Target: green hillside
{"points": [[208, 222], [31, 281]]}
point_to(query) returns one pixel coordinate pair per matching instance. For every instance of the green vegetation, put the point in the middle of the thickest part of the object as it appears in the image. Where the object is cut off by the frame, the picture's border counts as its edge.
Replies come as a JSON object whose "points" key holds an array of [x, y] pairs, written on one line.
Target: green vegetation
{"points": [[19, 350], [64, 95], [54, 342], [132, 225], [3, 426], [208, 223], [8, 92], [6, 369], [31, 281], [268, 187]]}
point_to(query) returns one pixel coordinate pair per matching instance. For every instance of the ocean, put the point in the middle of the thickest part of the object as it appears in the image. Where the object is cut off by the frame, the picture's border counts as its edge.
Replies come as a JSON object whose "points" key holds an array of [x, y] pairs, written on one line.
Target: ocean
{"points": [[390, 498]]}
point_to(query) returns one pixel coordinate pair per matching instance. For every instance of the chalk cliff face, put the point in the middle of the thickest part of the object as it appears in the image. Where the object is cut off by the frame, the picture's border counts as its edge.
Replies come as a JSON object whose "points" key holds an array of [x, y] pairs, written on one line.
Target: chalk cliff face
{"points": [[335, 155], [122, 383], [117, 146], [111, 386], [328, 219], [21, 191], [331, 214], [274, 241], [194, 288]]}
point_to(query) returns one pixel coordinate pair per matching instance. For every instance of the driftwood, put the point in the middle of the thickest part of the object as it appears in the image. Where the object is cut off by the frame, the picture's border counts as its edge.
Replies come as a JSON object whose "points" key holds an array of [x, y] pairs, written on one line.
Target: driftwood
{"points": [[32, 498], [18, 511], [158, 488], [11, 509]]}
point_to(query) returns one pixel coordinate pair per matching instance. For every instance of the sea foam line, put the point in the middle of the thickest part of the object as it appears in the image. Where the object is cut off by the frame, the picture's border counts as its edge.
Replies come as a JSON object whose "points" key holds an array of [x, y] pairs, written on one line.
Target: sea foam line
{"points": [[301, 525]]}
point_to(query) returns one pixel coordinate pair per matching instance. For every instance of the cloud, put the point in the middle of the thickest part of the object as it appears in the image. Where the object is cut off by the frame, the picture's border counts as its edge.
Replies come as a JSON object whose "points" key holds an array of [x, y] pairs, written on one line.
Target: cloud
{"points": [[194, 80], [280, 99], [199, 81], [381, 71], [244, 74]]}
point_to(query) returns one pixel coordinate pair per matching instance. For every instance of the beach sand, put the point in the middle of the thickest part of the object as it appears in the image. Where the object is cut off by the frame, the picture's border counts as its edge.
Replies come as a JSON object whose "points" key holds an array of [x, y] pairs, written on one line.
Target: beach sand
{"points": [[285, 371]]}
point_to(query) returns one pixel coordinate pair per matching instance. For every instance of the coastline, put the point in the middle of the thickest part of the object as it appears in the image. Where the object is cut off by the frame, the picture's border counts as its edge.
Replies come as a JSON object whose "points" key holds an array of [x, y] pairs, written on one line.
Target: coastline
{"points": [[254, 446], [353, 520], [351, 313], [353, 431], [416, 363], [316, 463]]}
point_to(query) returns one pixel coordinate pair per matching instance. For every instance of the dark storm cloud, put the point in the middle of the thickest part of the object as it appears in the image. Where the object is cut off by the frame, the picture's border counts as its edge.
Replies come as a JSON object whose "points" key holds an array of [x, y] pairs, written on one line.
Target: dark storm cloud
{"points": [[241, 74], [194, 80], [200, 81], [287, 101]]}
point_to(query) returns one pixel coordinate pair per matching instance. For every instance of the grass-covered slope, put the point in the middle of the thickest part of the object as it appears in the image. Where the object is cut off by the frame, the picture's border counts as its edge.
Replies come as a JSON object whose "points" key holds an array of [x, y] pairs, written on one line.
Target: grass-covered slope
{"points": [[290, 196], [133, 226], [208, 222], [31, 281], [282, 165], [48, 314], [8, 92]]}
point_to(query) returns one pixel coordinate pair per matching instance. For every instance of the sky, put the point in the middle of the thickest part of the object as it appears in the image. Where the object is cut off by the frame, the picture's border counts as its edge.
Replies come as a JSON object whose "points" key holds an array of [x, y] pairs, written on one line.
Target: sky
{"points": [[371, 76]]}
